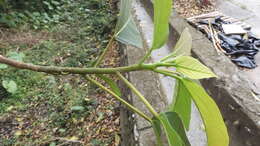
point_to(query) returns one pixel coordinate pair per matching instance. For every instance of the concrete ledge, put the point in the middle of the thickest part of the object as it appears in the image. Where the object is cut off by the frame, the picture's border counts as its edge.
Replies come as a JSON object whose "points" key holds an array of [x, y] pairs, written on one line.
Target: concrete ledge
{"points": [[148, 84], [232, 90], [156, 88]]}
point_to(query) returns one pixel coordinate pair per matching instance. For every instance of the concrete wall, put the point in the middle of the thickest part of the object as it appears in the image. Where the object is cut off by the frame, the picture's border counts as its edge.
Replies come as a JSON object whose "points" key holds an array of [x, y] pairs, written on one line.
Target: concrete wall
{"points": [[231, 90]]}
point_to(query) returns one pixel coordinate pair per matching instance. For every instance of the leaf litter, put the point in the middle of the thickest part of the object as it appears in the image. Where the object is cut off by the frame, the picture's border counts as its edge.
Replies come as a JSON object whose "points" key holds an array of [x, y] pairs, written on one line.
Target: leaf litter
{"points": [[60, 110], [189, 8]]}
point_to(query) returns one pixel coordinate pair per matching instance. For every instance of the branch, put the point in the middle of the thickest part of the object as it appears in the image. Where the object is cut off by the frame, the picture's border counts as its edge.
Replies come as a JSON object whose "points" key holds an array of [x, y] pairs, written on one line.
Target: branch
{"points": [[147, 55], [134, 109], [141, 97], [101, 57], [71, 70]]}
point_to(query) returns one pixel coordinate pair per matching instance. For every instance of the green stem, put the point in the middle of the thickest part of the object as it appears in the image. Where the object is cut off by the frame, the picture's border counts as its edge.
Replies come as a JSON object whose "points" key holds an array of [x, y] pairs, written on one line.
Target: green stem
{"points": [[73, 70], [120, 99], [165, 58], [171, 56], [101, 57], [167, 73], [78, 70], [147, 55], [141, 97]]}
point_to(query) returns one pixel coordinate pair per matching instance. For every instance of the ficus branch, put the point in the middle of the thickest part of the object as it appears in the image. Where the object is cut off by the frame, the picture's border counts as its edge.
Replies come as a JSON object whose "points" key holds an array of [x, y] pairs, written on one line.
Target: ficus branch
{"points": [[141, 97], [120, 99], [78, 70], [167, 73], [70, 70], [109, 45], [147, 55], [101, 57]]}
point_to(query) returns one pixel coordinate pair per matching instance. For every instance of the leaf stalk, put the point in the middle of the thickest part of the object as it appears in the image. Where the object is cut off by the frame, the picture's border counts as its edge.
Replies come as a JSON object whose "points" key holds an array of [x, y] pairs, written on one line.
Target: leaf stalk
{"points": [[120, 99], [141, 97]]}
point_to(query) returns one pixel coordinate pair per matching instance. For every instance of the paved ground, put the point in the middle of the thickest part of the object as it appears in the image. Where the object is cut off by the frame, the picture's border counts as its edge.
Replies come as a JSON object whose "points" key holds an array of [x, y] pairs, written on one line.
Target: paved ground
{"points": [[249, 12]]}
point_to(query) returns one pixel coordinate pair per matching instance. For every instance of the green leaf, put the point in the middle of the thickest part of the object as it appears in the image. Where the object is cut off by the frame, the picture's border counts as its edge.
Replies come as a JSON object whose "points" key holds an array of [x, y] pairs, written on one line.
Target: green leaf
{"points": [[156, 124], [16, 56], [215, 127], [112, 84], [10, 86], [183, 46], [126, 30], [172, 136], [3, 66], [174, 129], [52, 144], [162, 12], [77, 108], [192, 68], [124, 14], [182, 103], [130, 35]]}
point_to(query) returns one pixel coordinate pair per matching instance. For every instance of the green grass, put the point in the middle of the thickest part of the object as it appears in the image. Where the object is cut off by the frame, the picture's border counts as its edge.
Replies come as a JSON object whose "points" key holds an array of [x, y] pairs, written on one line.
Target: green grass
{"points": [[49, 106]]}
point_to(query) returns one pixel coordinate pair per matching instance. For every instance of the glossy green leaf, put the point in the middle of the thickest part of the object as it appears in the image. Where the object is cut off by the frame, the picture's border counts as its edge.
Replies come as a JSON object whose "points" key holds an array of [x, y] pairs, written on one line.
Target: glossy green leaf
{"points": [[192, 68], [126, 29], [183, 46], [156, 124], [215, 127], [172, 136], [112, 84], [10, 86], [182, 103], [162, 12], [130, 35], [174, 129], [124, 14]]}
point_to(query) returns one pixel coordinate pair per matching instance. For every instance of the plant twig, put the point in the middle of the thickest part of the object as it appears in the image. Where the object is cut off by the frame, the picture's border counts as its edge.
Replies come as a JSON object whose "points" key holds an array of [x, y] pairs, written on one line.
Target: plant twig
{"points": [[120, 99], [69, 140], [72, 70], [101, 57], [78, 70], [61, 139], [166, 73], [141, 97], [147, 55]]}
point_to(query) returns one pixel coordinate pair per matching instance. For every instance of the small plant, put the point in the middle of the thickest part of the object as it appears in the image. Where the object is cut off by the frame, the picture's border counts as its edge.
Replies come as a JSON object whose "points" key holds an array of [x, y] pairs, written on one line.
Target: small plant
{"points": [[8, 84], [43, 14], [176, 120]]}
